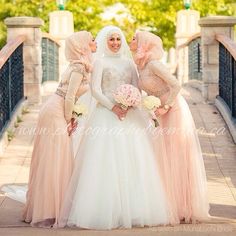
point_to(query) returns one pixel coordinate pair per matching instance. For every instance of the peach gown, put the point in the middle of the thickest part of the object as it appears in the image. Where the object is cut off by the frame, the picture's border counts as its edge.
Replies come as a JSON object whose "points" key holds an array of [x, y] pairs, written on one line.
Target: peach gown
{"points": [[182, 167], [52, 158]]}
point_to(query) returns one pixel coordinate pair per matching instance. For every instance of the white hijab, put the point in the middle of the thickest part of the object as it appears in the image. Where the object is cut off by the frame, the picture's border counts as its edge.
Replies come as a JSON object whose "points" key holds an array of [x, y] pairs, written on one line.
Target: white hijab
{"points": [[102, 47]]}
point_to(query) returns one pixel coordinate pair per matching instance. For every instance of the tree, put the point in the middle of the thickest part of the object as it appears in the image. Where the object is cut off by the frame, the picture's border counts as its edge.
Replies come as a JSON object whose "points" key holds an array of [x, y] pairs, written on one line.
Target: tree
{"points": [[158, 16], [37, 8]]}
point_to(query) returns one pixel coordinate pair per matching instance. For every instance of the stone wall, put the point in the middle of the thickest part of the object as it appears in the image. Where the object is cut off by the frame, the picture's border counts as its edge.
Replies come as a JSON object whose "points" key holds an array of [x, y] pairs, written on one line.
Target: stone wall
{"points": [[210, 27], [30, 27]]}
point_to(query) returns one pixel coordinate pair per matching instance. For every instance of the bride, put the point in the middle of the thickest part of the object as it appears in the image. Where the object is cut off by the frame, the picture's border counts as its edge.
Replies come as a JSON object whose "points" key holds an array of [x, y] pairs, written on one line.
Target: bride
{"points": [[115, 182]]}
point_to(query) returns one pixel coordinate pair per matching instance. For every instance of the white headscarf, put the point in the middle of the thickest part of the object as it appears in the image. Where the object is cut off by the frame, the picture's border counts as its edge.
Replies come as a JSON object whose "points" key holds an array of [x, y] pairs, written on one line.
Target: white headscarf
{"points": [[102, 47]]}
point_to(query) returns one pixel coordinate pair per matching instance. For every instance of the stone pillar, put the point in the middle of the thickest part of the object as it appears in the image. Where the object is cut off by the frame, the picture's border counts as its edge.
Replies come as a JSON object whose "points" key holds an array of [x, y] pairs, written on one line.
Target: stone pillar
{"points": [[30, 27], [61, 25], [172, 60], [182, 67], [210, 26], [187, 26]]}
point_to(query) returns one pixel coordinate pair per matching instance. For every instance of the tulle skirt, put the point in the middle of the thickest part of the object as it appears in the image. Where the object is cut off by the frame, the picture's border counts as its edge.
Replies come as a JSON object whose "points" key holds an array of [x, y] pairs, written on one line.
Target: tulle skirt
{"points": [[115, 182], [51, 165], [183, 168]]}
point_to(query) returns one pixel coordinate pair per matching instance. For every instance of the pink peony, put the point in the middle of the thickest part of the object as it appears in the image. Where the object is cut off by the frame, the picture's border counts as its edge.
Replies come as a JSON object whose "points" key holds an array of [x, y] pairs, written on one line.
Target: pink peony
{"points": [[127, 96]]}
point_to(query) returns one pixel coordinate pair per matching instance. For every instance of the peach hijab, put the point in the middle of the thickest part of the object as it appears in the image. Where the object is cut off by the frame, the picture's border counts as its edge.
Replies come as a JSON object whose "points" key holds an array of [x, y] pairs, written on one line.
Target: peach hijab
{"points": [[77, 49], [149, 48]]}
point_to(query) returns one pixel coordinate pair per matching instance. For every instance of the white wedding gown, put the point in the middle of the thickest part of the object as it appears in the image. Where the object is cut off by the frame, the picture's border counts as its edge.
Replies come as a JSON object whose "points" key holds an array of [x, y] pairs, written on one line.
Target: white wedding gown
{"points": [[115, 182]]}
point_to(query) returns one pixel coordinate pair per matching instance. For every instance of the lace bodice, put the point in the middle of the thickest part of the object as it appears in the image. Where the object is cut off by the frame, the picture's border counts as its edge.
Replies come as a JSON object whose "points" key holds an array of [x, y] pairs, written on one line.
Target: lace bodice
{"points": [[74, 83], [155, 79], [66, 79], [108, 74]]}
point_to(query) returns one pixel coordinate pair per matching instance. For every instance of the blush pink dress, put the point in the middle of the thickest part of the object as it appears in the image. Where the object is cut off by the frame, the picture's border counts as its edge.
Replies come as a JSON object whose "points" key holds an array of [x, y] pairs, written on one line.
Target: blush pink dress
{"points": [[182, 165], [52, 158]]}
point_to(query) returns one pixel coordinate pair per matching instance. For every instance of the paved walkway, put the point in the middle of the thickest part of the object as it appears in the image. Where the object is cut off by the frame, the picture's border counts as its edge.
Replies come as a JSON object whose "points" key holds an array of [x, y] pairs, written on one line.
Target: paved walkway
{"points": [[220, 161]]}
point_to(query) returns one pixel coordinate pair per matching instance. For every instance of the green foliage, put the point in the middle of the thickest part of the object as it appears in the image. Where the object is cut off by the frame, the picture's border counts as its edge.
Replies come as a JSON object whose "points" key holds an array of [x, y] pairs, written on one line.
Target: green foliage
{"points": [[16, 124], [36, 8], [86, 14], [19, 119], [159, 16], [10, 134], [25, 110], [214, 7]]}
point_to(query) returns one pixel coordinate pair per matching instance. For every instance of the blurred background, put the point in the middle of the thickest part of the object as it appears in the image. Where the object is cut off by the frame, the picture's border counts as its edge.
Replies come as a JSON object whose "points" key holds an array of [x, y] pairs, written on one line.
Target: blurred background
{"points": [[159, 16]]}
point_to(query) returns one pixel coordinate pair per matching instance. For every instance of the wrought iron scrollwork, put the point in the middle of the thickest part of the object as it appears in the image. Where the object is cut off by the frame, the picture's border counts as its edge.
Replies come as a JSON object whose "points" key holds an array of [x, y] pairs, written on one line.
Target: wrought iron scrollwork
{"points": [[11, 85], [227, 78], [50, 60], [195, 57]]}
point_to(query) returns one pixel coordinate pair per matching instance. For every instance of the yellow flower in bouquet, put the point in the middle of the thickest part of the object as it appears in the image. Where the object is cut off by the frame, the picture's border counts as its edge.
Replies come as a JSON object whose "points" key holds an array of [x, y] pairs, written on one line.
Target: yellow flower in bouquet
{"points": [[151, 103], [80, 110]]}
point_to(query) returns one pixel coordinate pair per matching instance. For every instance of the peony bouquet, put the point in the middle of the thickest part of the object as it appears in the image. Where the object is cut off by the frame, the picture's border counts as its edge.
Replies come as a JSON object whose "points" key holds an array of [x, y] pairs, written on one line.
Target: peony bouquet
{"points": [[127, 96], [151, 103]]}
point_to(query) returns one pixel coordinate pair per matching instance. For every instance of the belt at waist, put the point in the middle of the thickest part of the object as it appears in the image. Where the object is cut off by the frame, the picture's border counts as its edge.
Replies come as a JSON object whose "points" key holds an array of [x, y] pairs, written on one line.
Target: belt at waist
{"points": [[158, 93], [60, 93], [63, 94]]}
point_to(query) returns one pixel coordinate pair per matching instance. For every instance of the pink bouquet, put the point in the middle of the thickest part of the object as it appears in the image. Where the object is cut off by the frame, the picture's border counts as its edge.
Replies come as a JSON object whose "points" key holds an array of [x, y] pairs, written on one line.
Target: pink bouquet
{"points": [[127, 96]]}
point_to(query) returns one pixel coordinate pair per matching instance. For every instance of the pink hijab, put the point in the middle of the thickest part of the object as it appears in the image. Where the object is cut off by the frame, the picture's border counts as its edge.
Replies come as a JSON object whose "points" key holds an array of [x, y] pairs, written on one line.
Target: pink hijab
{"points": [[77, 49], [149, 48]]}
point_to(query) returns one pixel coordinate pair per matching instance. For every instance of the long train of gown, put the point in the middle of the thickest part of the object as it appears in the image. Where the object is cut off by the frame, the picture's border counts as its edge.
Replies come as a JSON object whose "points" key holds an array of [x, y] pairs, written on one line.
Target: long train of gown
{"points": [[115, 182], [183, 168], [51, 165]]}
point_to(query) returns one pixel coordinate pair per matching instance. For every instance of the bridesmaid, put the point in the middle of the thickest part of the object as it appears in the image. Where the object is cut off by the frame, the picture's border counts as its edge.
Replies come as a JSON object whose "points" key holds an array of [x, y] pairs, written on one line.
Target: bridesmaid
{"points": [[52, 158], [182, 166]]}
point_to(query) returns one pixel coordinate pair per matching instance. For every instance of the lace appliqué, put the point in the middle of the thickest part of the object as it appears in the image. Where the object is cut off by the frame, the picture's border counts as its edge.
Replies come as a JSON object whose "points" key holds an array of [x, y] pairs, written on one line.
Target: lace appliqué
{"points": [[112, 79], [79, 68]]}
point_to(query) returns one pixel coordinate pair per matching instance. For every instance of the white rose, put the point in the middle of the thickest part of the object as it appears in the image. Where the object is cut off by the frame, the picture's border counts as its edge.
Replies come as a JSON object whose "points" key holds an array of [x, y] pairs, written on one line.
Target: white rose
{"points": [[80, 109], [151, 102]]}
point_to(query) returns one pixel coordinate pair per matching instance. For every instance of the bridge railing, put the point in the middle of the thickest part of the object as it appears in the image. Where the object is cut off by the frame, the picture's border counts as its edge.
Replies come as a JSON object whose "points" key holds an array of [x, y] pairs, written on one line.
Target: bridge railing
{"points": [[50, 58], [190, 60], [195, 58], [11, 79], [227, 72]]}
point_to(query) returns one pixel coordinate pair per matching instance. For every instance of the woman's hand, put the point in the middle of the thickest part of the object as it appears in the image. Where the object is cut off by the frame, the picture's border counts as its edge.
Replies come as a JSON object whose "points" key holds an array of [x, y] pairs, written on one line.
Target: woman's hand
{"points": [[72, 126], [160, 111], [121, 113]]}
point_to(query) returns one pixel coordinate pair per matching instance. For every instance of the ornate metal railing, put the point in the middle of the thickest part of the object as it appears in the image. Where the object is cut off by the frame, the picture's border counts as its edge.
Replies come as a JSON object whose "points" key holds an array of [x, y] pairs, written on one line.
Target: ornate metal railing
{"points": [[190, 59], [50, 58], [11, 79], [227, 72], [194, 58]]}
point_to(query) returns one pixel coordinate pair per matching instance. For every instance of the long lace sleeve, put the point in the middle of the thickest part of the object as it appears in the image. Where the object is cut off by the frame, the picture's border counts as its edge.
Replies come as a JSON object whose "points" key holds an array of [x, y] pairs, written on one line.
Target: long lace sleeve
{"points": [[74, 84], [163, 73], [96, 86], [134, 74]]}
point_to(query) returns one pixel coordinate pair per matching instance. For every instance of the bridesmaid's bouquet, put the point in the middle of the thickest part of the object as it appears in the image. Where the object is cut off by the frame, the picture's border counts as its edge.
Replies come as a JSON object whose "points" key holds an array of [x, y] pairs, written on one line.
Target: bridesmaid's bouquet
{"points": [[79, 110], [151, 103], [127, 96]]}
